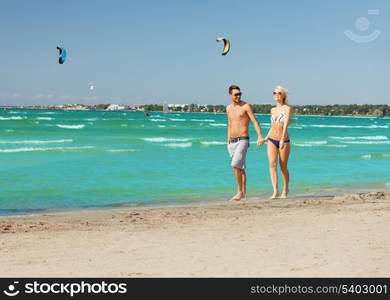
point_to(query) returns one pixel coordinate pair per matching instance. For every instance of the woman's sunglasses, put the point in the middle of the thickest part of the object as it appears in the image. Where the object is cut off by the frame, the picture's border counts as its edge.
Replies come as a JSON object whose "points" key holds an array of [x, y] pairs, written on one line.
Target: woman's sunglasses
{"points": [[277, 93], [237, 94]]}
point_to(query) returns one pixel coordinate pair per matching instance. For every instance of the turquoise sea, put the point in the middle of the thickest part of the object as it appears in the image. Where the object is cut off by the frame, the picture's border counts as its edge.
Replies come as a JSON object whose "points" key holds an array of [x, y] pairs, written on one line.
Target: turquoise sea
{"points": [[83, 159]]}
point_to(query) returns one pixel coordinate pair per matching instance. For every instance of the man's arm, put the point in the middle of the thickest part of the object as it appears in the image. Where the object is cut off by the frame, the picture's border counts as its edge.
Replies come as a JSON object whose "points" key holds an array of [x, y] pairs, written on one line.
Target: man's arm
{"points": [[228, 126], [252, 117]]}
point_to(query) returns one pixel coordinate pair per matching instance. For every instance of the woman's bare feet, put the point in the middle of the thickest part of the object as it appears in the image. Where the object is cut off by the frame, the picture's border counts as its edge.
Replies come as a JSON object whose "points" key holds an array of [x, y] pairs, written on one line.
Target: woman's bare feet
{"points": [[284, 194], [274, 196], [239, 196]]}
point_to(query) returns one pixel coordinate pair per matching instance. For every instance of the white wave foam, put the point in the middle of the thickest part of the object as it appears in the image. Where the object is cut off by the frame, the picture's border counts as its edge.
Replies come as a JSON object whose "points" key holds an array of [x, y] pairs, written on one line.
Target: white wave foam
{"points": [[13, 118], [213, 143], [316, 142], [337, 146], [91, 119], [70, 126], [376, 137], [37, 141], [48, 113], [9, 130], [44, 118], [200, 120], [176, 145], [122, 150], [376, 155], [163, 139], [29, 149], [348, 126], [366, 142], [310, 144], [157, 120], [162, 126], [177, 120], [219, 125], [123, 125]]}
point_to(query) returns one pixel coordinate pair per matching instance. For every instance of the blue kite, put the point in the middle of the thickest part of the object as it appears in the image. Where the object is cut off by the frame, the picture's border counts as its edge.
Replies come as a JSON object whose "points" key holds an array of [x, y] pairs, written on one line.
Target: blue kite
{"points": [[62, 55]]}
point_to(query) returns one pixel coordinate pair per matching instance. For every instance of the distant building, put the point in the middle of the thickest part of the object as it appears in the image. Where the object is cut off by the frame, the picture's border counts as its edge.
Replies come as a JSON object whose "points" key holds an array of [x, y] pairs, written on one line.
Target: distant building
{"points": [[115, 107], [136, 107], [177, 105], [75, 107]]}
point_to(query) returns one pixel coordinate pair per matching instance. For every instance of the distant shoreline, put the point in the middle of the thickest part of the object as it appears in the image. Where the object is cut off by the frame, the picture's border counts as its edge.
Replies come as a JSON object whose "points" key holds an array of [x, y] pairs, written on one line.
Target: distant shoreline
{"points": [[186, 112]]}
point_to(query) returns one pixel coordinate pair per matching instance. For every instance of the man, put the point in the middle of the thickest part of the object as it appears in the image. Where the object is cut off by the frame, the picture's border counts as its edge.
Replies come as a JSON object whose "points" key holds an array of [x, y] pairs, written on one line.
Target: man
{"points": [[239, 113]]}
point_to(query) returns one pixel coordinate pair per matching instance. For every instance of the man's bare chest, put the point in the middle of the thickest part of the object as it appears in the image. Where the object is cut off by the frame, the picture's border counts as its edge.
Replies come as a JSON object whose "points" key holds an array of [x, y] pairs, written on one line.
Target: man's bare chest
{"points": [[237, 114]]}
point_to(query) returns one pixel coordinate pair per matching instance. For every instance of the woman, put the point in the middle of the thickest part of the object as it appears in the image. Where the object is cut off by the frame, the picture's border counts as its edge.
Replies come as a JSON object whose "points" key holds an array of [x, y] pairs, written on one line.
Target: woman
{"points": [[278, 141]]}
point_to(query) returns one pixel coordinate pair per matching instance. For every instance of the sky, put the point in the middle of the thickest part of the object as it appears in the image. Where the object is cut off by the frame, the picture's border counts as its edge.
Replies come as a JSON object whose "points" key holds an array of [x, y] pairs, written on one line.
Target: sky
{"points": [[153, 52]]}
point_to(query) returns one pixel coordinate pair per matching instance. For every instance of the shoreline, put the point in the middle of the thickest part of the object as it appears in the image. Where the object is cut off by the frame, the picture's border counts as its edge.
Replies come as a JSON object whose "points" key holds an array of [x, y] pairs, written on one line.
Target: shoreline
{"points": [[196, 112], [215, 201], [343, 236]]}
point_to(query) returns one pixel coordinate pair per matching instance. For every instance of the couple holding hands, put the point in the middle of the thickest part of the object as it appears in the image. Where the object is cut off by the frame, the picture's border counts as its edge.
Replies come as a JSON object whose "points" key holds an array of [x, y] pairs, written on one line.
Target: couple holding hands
{"points": [[278, 142]]}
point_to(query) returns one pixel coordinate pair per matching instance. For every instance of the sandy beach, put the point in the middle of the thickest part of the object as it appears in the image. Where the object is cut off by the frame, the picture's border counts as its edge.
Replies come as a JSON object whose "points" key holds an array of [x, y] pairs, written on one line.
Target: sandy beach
{"points": [[342, 236]]}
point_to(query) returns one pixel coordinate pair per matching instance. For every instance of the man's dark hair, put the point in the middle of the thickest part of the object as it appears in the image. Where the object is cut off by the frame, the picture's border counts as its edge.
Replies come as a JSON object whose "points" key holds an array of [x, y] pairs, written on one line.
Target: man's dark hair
{"points": [[233, 87]]}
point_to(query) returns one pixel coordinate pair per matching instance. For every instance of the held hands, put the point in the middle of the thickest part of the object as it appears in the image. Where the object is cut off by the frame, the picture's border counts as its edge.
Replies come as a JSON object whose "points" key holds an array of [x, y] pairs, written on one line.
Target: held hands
{"points": [[261, 141]]}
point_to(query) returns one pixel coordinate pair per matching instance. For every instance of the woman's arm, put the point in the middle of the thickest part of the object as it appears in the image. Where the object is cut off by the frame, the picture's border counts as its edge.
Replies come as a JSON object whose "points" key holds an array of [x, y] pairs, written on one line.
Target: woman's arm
{"points": [[285, 125], [269, 131], [252, 117]]}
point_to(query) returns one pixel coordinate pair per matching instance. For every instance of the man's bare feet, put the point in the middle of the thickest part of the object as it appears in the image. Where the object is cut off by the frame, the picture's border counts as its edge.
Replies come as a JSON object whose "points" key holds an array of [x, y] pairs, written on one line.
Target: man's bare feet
{"points": [[274, 196], [239, 196]]}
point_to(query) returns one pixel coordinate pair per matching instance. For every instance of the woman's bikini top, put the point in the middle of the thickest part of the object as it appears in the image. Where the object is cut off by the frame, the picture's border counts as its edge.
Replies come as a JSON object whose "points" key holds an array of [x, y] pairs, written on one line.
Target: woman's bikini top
{"points": [[279, 119]]}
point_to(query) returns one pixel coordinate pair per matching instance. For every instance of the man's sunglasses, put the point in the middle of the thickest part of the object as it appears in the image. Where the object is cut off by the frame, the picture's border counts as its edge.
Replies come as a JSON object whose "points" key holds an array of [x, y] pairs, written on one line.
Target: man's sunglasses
{"points": [[278, 93], [237, 94]]}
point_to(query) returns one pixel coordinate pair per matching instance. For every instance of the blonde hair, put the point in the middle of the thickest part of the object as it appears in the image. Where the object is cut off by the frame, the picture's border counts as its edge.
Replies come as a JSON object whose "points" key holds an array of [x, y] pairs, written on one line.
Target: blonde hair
{"points": [[284, 93]]}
